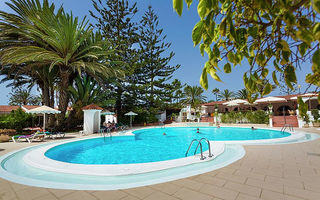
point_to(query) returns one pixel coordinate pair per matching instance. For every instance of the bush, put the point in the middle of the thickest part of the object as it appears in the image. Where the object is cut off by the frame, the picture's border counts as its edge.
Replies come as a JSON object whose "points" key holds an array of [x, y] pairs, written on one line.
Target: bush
{"points": [[315, 114], [16, 120], [254, 117]]}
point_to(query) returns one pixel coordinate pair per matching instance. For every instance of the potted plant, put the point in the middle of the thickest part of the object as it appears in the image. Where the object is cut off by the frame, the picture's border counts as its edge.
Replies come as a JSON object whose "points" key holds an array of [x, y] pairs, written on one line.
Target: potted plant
{"points": [[307, 120], [316, 116], [292, 112]]}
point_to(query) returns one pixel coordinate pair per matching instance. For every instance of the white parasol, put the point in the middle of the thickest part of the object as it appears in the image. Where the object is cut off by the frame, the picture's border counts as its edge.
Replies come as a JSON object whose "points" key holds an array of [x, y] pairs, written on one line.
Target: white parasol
{"points": [[131, 114], [43, 110]]}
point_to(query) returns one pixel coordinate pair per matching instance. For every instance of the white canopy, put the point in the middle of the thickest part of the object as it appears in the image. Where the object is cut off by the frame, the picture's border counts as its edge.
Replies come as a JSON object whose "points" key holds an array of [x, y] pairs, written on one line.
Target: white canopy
{"points": [[232, 104], [270, 100], [236, 101], [305, 95], [43, 110], [131, 113]]}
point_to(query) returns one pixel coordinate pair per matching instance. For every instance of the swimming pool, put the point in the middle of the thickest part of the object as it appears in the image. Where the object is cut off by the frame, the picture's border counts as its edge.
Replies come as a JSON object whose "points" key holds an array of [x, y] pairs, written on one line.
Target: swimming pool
{"points": [[151, 145], [33, 166]]}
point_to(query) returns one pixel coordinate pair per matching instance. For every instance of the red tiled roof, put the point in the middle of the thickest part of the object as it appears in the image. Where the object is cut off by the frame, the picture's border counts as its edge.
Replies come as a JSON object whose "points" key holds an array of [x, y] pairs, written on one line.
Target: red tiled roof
{"points": [[8, 109], [29, 107], [92, 107], [214, 103]]}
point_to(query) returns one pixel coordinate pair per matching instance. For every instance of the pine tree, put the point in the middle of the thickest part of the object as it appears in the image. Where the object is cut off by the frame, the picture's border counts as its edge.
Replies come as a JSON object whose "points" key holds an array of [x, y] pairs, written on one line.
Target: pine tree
{"points": [[155, 70], [115, 22]]}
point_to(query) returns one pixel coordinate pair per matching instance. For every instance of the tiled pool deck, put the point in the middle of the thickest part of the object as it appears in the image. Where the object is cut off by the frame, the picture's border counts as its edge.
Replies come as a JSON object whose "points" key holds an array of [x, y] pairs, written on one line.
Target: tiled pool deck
{"points": [[269, 172]]}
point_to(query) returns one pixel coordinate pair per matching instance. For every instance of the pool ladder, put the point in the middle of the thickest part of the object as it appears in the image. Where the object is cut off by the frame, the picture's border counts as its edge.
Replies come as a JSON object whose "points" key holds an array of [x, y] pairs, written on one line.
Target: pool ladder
{"points": [[289, 126], [199, 144], [105, 133]]}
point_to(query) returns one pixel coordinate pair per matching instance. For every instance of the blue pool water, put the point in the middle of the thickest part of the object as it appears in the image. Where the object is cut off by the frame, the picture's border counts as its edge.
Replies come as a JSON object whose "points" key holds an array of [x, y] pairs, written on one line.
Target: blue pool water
{"points": [[150, 145]]}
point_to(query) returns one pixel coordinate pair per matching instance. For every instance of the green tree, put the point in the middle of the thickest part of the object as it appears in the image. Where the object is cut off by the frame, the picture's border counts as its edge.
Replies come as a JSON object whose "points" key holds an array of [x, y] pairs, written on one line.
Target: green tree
{"points": [[177, 93], [83, 92], [216, 91], [114, 19], [37, 34], [242, 94], [155, 71], [22, 96], [226, 95], [193, 96], [275, 37]]}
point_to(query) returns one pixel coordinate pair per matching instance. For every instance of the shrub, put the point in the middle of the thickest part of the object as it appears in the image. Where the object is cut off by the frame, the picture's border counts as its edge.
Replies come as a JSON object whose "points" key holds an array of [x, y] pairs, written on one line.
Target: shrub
{"points": [[4, 138], [16, 120], [255, 117], [315, 114]]}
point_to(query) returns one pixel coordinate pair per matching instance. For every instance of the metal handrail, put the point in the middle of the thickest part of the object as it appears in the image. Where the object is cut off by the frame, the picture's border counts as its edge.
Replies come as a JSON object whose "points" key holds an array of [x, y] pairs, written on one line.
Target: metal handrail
{"points": [[194, 140], [287, 126], [208, 142], [104, 133]]}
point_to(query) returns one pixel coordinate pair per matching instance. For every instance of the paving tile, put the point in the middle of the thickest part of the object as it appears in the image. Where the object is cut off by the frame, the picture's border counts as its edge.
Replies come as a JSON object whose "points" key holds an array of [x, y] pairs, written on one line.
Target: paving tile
{"points": [[246, 197], [168, 188], [231, 177], [31, 193], [160, 196], [286, 182], [188, 194], [60, 193], [188, 183], [250, 175], [219, 192], [130, 198], [78, 195], [140, 192], [276, 187], [47, 197], [253, 191], [7, 193], [109, 195], [270, 195], [307, 194], [210, 180]]}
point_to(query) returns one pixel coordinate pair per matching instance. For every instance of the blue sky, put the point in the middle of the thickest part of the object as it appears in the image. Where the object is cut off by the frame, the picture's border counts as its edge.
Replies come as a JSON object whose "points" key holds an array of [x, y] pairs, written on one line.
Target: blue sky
{"points": [[178, 31]]}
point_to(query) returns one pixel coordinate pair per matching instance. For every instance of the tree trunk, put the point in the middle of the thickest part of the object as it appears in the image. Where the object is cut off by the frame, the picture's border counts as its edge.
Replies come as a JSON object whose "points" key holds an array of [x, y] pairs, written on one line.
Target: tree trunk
{"points": [[119, 102], [63, 96]]}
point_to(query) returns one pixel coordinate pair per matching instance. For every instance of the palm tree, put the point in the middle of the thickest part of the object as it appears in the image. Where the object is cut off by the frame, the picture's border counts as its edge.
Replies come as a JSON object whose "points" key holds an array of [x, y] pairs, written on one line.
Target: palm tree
{"points": [[226, 95], [84, 92], [193, 96], [23, 96], [242, 94], [38, 35], [216, 91]]}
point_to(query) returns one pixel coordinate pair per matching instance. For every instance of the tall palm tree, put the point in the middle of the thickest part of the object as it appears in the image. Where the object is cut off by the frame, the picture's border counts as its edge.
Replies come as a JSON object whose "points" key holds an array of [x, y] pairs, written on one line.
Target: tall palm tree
{"points": [[193, 96], [226, 95], [216, 91], [37, 34], [242, 94], [23, 96]]}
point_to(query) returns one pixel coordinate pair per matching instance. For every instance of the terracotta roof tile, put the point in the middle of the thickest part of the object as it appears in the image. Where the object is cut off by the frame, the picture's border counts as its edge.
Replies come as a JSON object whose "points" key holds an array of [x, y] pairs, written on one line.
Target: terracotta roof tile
{"points": [[92, 107], [8, 109]]}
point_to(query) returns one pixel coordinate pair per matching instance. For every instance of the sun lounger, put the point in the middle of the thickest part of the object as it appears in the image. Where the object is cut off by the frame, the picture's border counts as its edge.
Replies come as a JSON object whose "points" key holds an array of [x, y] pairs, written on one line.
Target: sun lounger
{"points": [[29, 138], [54, 135]]}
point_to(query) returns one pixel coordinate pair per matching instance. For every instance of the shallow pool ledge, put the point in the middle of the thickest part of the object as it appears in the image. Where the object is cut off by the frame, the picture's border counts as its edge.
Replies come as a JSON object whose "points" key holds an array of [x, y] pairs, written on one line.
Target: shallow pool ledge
{"points": [[36, 158]]}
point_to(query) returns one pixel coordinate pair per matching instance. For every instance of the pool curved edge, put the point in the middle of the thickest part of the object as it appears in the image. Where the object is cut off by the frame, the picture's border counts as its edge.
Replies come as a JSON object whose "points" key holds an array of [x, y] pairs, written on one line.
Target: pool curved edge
{"points": [[165, 175], [37, 159]]}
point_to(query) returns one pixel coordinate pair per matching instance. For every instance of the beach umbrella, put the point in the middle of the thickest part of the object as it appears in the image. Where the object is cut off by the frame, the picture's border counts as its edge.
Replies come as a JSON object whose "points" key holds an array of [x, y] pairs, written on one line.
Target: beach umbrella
{"points": [[270, 100], [43, 110], [107, 112], [131, 114]]}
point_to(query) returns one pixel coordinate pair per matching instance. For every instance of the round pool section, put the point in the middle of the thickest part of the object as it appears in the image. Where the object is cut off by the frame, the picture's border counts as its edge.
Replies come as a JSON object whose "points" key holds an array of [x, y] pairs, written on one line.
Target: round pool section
{"points": [[151, 145], [142, 150]]}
